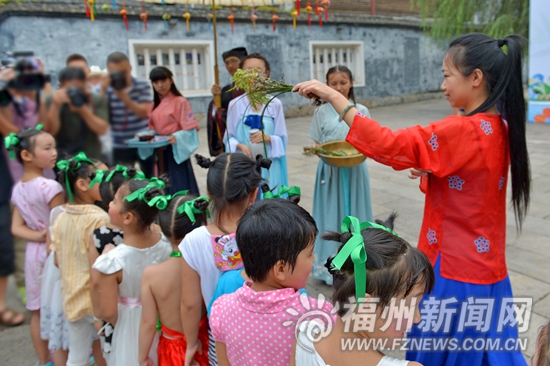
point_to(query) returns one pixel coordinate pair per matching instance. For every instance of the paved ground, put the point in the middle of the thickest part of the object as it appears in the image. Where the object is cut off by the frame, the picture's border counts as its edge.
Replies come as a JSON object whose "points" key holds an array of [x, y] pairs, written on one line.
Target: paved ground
{"points": [[528, 254]]}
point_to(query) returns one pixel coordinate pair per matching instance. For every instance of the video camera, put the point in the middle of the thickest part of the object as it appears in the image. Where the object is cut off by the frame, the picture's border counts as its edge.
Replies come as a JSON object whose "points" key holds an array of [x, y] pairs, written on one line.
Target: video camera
{"points": [[29, 76]]}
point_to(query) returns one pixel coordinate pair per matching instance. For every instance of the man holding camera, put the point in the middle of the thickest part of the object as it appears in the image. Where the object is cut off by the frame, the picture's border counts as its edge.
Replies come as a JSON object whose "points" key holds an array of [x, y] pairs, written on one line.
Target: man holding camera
{"points": [[129, 101], [76, 117]]}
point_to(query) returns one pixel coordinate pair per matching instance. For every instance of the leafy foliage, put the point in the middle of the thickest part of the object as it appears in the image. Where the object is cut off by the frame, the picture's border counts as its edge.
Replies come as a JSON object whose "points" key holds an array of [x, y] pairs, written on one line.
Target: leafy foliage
{"points": [[444, 19]]}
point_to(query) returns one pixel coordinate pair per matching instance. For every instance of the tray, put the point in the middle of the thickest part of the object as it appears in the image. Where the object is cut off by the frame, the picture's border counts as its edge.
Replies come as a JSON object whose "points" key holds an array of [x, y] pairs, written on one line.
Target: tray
{"points": [[158, 141]]}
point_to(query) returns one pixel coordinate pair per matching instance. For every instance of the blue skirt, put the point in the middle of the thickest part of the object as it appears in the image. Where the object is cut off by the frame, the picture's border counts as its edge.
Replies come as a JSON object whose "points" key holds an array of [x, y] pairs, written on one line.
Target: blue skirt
{"points": [[181, 176], [339, 192], [478, 328]]}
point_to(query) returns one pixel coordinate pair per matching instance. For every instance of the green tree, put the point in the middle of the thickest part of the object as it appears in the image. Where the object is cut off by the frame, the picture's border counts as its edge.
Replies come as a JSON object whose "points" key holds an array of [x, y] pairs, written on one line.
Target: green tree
{"points": [[444, 19]]}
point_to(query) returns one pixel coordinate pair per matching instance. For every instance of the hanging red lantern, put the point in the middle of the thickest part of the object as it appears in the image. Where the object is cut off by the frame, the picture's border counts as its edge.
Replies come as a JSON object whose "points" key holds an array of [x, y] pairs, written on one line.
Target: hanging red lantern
{"points": [[87, 9], [321, 10], [297, 7], [124, 14], [275, 17], [326, 4], [231, 18], [308, 11], [144, 17], [317, 8]]}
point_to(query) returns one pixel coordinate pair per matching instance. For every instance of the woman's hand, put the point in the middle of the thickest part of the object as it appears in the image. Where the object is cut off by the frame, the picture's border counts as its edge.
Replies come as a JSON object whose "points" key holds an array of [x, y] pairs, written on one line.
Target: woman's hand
{"points": [[216, 90], [313, 87], [244, 149], [417, 173], [172, 139], [258, 139]]}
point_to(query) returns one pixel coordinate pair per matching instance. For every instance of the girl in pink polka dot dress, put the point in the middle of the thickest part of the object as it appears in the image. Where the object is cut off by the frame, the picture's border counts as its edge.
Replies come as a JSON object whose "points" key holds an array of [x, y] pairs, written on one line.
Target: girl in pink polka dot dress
{"points": [[256, 324]]}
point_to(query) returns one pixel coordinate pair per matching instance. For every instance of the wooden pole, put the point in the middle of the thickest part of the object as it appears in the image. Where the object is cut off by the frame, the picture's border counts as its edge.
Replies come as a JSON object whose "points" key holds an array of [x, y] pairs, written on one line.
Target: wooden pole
{"points": [[218, 97]]}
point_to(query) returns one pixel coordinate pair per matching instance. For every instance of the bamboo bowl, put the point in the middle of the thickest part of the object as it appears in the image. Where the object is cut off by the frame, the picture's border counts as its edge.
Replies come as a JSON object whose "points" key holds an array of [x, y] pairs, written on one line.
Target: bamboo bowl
{"points": [[354, 157]]}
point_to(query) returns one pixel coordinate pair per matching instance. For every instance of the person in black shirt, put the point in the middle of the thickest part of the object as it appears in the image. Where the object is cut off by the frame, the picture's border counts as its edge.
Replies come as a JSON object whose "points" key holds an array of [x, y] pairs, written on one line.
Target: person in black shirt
{"points": [[216, 118]]}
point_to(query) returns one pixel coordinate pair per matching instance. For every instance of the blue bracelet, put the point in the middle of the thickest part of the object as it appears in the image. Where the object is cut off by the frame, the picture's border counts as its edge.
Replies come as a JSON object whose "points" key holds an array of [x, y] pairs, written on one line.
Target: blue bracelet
{"points": [[346, 110]]}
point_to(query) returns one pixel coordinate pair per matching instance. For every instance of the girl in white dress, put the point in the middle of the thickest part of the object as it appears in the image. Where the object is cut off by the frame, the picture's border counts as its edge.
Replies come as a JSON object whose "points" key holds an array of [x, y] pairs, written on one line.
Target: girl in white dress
{"points": [[133, 209], [388, 277]]}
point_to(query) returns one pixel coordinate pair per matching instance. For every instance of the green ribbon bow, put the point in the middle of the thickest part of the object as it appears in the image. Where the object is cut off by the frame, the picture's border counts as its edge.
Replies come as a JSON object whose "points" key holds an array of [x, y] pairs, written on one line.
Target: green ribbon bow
{"points": [[161, 202], [354, 249], [190, 210], [292, 191], [140, 193], [99, 175], [124, 170], [63, 165], [39, 127], [10, 141]]}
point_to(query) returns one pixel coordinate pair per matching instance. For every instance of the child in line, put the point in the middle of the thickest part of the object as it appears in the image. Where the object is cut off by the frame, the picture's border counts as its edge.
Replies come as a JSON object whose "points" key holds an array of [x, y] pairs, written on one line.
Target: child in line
{"points": [[392, 270], [33, 197], [339, 192], [233, 280], [53, 324], [171, 115], [72, 242], [276, 239], [108, 236], [464, 163], [133, 209], [161, 287], [243, 117], [232, 185]]}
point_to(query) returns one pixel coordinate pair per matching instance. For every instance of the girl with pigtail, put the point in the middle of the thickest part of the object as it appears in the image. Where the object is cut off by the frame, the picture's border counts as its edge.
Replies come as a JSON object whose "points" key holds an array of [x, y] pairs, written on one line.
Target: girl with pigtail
{"points": [[378, 268], [134, 208], [71, 240], [208, 251], [33, 197], [463, 162], [232, 280], [162, 286]]}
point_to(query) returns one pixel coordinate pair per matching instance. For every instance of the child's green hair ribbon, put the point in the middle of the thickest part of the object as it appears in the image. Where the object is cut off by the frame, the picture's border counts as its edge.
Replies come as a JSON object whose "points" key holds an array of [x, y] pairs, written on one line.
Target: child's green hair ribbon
{"points": [[39, 127], [10, 141], [292, 191], [190, 210], [64, 165], [124, 170], [354, 249], [99, 175], [161, 202], [140, 193]]}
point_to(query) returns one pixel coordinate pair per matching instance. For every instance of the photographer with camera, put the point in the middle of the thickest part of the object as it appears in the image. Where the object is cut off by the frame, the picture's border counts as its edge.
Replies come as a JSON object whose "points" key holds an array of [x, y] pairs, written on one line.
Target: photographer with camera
{"points": [[129, 101], [76, 117]]}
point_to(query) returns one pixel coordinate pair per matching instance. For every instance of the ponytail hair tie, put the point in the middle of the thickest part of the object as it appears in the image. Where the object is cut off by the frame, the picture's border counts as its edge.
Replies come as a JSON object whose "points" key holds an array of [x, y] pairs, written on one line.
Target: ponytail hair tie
{"points": [[161, 202], [73, 163], [140, 193], [97, 177], [10, 142], [190, 209], [292, 191], [124, 170]]}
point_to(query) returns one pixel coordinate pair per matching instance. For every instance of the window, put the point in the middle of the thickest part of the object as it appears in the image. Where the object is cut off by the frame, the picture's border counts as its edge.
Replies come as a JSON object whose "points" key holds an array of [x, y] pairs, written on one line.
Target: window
{"points": [[191, 62], [326, 54]]}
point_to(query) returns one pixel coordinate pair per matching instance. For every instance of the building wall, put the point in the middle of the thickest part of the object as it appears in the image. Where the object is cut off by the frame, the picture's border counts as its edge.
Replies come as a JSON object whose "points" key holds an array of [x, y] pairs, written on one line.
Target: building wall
{"points": [[398, 59]]}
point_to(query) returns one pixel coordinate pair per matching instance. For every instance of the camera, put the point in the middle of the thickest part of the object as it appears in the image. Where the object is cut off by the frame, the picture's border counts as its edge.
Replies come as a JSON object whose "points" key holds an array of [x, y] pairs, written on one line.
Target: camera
{"points": [[118, 80], [29, 77], [76, 96]]}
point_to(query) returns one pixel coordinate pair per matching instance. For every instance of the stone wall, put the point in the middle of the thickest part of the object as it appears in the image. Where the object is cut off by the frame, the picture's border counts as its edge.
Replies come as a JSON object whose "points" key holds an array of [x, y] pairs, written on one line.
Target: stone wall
{"points": [[400, 61]]}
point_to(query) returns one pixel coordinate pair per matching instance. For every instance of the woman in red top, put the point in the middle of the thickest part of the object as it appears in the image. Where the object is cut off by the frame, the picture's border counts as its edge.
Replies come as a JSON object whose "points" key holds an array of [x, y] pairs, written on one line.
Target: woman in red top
{"points": [[172, 116], [463, 161]]}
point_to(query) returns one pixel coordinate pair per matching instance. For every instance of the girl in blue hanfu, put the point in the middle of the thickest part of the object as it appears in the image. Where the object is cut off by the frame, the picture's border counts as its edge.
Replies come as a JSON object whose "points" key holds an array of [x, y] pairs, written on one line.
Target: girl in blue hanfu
{"points": [[339, 192], [463, 162], [243, 117]]}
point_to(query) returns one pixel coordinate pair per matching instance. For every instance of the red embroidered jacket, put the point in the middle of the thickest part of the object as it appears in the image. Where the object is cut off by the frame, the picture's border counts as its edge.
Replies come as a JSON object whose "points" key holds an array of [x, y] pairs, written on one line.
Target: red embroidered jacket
{"points": [[465, 208]]}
